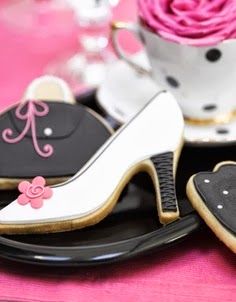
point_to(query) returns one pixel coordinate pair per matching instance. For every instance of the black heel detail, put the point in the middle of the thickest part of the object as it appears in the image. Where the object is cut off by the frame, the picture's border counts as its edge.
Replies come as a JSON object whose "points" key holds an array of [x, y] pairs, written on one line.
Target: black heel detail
{"points": [[164, 168]]}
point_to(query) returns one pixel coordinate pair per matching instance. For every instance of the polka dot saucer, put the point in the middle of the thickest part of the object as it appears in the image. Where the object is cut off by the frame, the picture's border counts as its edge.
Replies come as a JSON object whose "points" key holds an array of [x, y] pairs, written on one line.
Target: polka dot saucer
{"points": [[124, 92], [211, 135]]}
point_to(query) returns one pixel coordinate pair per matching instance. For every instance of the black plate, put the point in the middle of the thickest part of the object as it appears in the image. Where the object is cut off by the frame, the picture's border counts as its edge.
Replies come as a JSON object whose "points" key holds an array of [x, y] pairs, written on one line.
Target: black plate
{"points": [[131, 229]]}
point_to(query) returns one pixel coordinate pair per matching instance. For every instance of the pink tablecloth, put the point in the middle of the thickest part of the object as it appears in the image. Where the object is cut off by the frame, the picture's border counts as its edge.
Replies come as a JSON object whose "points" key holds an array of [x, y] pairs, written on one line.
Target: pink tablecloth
{"points": [[199, 269]]}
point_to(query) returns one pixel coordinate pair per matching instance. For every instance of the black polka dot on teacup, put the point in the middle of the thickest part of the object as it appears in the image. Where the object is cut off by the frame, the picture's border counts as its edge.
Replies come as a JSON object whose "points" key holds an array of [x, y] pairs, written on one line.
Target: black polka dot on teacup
{"points": [[209, 107], [213, 55], [222, 131], [142, 38], [172, 81]]}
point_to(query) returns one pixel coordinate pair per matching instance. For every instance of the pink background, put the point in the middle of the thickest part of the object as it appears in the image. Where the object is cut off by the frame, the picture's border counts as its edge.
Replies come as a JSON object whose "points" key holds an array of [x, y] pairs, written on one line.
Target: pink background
{"points": [[25, 54], [199, 269]]}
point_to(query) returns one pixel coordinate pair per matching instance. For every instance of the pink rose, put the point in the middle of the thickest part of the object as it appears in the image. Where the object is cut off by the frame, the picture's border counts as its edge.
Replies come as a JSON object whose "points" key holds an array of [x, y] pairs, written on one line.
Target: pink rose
{"points": [[192, 22], [34, 193]]}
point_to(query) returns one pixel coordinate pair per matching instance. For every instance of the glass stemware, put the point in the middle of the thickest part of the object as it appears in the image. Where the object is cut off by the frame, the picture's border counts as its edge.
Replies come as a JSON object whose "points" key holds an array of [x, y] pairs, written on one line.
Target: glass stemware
{"points": [[87, 67]]}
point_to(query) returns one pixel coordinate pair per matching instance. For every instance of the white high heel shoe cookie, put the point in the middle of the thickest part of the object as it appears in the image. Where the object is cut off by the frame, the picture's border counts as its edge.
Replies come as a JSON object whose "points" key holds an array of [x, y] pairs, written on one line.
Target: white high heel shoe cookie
{"points": [[150, 142]]}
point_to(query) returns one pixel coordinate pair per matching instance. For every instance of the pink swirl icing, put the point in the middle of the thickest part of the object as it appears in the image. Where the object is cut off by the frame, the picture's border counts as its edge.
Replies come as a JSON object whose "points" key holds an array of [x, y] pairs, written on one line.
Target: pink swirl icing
{"points": [[29, 117], [34, 191], [191, 22]]}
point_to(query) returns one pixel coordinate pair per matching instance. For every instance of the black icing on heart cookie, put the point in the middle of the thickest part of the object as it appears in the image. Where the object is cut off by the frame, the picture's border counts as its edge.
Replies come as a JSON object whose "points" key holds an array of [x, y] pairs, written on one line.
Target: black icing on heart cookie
{"points": [[213, 195]]}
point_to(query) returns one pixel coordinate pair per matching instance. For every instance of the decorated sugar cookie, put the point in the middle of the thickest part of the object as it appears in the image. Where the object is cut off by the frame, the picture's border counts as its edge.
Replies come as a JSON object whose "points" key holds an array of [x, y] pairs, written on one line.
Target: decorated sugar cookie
{"points": [[47, 134], [151, 142], [213, 195]]}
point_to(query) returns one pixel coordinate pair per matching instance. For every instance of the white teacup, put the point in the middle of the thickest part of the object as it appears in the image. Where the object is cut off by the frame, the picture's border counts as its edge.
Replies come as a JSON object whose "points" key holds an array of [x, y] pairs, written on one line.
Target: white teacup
{"points": [[203, 79]]}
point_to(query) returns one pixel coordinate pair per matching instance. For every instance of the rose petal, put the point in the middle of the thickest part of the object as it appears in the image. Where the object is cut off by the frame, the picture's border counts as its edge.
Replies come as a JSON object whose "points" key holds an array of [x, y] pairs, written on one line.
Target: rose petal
{"points": [[23, 185], [36, 203], [184, 5], [47, 193], [191, 22], [38, 181], [22, 199]]}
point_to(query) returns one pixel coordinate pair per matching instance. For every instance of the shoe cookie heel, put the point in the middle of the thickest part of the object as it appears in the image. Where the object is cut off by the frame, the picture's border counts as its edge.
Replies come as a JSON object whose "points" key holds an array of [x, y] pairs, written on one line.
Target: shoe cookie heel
{"points": [[162, 168]]}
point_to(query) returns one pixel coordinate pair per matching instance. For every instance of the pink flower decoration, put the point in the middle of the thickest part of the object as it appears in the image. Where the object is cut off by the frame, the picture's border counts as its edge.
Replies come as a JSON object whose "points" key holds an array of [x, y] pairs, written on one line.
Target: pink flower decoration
{"points": [[34, 193], [192, 22]]}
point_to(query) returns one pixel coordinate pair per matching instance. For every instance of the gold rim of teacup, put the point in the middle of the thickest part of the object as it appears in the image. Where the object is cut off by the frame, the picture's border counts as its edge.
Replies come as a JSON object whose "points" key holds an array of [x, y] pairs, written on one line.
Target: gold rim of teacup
{"points": [[220, 119]]}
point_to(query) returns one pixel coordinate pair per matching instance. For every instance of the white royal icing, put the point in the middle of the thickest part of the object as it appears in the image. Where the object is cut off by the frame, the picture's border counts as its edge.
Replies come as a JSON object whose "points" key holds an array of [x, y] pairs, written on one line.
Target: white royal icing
{"points": [[157, 128]]}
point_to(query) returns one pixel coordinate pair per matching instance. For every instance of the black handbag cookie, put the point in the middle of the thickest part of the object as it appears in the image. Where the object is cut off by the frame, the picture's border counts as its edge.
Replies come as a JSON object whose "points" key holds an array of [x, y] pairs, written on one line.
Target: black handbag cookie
{"points": [[52, 139], [213, 195]]}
